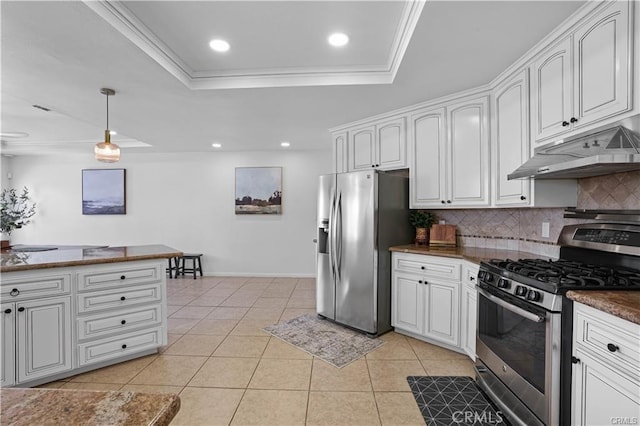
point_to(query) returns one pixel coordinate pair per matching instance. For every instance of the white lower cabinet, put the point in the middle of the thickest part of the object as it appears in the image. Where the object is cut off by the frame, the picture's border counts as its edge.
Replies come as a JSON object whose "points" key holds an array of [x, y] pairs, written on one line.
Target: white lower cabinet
{"points": [[7, 352], [79, 318], [606, 369], [36, 339], [43, 336], [469, 310], [426, 305]]}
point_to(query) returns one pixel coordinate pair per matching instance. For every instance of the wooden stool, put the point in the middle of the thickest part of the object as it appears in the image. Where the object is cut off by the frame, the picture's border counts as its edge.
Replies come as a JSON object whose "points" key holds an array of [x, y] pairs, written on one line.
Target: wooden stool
{"points": [[196, 264], [173, 266]]}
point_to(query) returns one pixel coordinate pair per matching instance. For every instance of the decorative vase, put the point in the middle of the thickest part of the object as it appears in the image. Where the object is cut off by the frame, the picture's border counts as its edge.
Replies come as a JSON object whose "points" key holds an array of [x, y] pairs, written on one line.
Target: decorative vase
{"points": [[422, 236]]}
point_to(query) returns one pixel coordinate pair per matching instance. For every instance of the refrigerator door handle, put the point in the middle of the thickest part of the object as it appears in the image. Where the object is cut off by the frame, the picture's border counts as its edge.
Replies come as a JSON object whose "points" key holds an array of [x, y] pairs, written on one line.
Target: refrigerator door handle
{"points": [[332, 236], [338, 226]]}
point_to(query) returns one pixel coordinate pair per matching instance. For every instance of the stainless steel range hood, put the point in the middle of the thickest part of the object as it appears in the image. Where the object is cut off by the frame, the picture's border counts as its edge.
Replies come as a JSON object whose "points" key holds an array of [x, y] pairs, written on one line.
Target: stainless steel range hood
{"points": [[610, 149]]}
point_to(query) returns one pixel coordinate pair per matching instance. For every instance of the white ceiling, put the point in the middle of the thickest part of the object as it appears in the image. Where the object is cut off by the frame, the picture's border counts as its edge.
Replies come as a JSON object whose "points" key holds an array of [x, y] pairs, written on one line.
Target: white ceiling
{"points": [[281, 80]]}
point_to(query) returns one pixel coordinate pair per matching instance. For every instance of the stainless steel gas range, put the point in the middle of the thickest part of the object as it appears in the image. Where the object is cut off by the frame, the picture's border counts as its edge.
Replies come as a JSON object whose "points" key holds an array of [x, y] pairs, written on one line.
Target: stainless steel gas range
{"points": [[524, 321]]}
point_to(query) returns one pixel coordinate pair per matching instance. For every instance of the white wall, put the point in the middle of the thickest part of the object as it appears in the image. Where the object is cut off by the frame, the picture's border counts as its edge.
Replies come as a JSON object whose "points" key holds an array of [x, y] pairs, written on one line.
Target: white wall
{"points": [[185, 201]]}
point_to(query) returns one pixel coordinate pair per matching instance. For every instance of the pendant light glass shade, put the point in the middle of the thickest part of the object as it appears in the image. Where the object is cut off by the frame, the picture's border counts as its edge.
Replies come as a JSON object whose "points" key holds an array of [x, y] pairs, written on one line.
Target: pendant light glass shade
{"points": [[106, 151]]}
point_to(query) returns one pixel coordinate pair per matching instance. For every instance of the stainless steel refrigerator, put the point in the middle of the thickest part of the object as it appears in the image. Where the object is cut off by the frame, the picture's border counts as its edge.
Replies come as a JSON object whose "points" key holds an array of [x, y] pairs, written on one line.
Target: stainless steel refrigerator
{"points": [[360, 215]]}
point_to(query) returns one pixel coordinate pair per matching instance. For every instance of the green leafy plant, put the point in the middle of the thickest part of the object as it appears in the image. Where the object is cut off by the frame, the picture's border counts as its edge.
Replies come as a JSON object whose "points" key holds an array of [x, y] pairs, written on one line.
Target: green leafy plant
{"points": [[16, 210], [421, 219]]}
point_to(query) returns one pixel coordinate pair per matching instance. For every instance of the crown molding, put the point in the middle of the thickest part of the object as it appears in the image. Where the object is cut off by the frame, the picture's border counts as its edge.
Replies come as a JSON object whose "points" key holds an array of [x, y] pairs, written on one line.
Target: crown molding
{"points": [[123, 20]]}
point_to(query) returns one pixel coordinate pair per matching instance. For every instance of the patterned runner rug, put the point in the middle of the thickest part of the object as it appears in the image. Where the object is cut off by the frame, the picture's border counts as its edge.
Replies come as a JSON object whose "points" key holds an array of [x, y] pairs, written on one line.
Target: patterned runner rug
{"points": [[335, 344], [450, 400]]}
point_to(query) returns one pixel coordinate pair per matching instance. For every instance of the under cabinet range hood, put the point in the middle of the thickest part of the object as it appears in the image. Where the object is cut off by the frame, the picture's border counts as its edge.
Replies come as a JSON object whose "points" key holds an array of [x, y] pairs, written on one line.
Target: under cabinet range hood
{"points": [[611, 149]]}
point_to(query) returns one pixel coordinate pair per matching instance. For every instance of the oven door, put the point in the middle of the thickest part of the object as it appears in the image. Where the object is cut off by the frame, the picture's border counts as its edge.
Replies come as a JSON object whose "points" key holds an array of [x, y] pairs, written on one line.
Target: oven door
{"points": [[520, 344]]}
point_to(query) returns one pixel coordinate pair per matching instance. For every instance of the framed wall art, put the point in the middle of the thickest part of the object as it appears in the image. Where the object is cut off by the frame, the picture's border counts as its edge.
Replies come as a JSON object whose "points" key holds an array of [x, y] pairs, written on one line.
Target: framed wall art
{"points": [[258, 190], [104, 191]]}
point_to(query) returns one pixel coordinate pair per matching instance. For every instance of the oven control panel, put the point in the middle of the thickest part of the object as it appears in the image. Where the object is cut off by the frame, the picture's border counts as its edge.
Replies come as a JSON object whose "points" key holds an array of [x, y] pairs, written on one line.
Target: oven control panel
{"points": [[530, 294], [608, 236]]}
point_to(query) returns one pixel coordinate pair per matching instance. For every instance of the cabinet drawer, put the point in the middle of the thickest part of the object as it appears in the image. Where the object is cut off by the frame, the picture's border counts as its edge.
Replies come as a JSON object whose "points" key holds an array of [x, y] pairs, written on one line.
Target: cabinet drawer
{"points": [[118, 298], [115, 347], [34, 286], [598, 331], [108, 277], [470, 273], [427, 265], [119, 322]]}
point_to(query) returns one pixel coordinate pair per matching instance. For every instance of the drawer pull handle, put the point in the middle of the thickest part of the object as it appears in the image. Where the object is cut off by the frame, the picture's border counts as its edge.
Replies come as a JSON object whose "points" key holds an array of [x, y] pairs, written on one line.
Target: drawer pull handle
{"points": [[21, 309], [123, 322], [124, 346], [612, 347], [14, 292], [123, 298], [419, 281], [122, 277], [7, 311], [422, 267], [575, 360]]}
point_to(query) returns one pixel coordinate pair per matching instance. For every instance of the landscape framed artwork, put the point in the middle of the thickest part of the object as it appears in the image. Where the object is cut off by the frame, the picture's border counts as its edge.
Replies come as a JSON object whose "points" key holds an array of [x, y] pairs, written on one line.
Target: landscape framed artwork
{"points": [[104, 191], [258, 190]]}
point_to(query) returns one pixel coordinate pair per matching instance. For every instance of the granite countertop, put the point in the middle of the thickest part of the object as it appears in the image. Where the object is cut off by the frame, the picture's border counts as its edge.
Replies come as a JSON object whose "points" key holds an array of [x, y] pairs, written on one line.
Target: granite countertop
{"points": [[622, 304], [60, 256], [472, 254], [70, 407]]}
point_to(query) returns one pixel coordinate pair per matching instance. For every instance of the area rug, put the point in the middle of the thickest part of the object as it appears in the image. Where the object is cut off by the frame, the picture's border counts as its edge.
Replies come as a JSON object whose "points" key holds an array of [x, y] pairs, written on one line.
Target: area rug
{"points": [[447, 400], [337, 345]]}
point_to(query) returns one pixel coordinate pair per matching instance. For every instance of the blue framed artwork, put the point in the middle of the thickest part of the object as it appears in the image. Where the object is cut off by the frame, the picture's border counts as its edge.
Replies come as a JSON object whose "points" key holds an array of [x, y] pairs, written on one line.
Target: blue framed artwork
{"points": [[104, 191]]}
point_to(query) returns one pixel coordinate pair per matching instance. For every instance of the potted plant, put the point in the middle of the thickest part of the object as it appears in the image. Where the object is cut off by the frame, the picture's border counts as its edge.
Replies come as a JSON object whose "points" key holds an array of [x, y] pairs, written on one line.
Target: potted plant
{"points": [[15, 212], [422, 221]]}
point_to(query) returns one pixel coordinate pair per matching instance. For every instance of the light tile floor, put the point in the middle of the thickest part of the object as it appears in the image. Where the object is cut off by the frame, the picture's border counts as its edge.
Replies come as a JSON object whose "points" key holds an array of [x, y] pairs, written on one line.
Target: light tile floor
{"points": [[228, 371]]}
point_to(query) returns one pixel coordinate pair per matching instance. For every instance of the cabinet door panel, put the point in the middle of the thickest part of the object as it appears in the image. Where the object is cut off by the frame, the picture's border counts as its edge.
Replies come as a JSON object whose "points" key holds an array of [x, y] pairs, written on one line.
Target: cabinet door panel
{"points": [[552, 91], [392, 143], [429, 159], [602, 63], [511, 140], [362, 149], [469, 154], [408, 303], [441, 316], [340, 153], [7, 351], [44, 338], [601, 394]]}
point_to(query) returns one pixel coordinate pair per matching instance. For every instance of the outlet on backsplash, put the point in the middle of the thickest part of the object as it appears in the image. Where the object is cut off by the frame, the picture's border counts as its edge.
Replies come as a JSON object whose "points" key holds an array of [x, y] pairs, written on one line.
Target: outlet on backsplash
{"points": [[545, 229]]}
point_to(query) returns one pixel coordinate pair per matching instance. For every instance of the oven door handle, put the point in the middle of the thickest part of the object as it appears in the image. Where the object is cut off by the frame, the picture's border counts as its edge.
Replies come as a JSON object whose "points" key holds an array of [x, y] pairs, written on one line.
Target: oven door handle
{"points": [[508, 306]]}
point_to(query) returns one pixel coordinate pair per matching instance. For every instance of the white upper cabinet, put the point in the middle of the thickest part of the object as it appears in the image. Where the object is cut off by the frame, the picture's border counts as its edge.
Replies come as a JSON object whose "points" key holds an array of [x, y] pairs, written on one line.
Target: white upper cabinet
{"points": [[585, 77], [469, 151], [553, 91], [428, 147], [340, 152], [510, 144], [602, 67], [381, 145], [449, 163]]}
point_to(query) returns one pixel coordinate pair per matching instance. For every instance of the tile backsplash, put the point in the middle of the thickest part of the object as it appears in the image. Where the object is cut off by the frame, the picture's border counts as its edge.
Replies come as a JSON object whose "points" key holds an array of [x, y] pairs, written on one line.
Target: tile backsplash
{"points": [[521, 229]]}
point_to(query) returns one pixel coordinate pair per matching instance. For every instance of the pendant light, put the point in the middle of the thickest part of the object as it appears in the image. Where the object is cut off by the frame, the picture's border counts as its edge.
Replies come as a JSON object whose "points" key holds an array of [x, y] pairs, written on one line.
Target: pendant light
{"points": [[106, 151]]}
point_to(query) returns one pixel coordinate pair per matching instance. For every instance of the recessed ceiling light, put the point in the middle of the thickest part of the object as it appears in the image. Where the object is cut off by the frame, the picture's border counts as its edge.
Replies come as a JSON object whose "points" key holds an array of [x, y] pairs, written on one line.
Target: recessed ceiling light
{"points": [[216, 145], [219, 45], [285, 144], [338, 39]]}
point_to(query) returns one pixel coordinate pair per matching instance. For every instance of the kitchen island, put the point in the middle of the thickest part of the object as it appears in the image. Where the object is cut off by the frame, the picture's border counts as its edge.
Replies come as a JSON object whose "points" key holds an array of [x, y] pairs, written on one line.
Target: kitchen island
{"points": [[69, 310], [73, 407]]}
